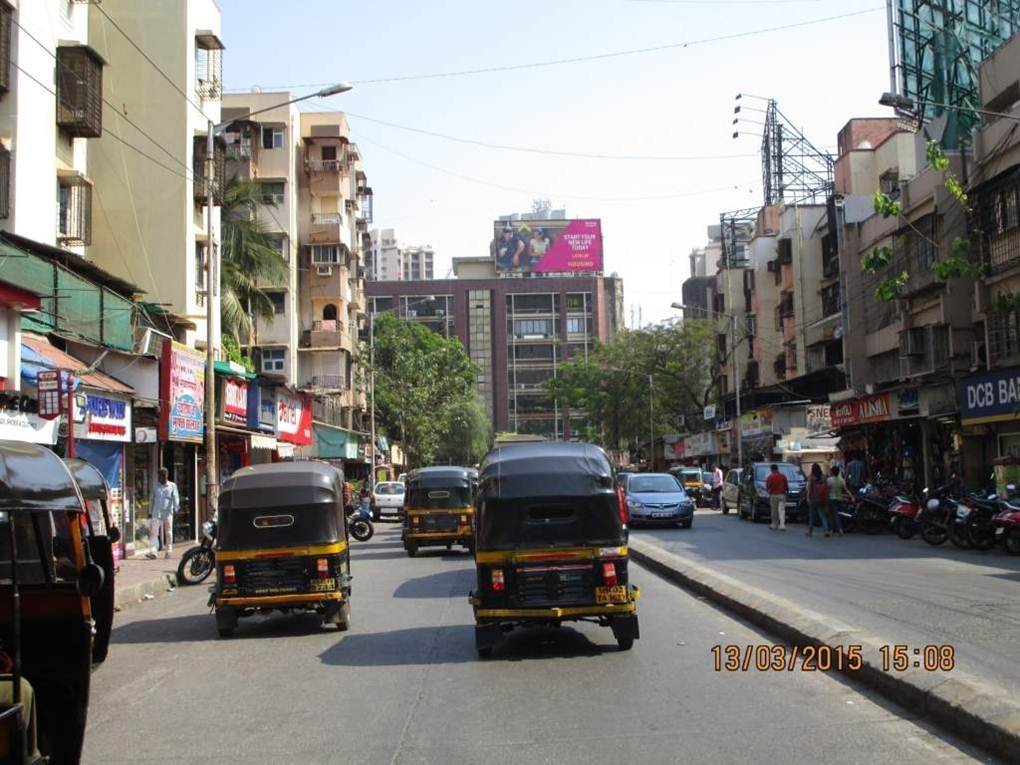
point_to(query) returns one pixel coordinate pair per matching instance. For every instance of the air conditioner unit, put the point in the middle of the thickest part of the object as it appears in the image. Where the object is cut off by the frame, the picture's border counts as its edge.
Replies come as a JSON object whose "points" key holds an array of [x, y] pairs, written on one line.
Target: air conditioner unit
{"points": [[324, 270]]}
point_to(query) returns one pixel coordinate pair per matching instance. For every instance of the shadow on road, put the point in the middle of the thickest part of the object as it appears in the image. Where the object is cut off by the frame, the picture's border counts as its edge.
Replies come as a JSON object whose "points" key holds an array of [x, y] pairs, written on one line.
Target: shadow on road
{"points": [[199, 627], [455, 644], [356, 555], [442, 584]]}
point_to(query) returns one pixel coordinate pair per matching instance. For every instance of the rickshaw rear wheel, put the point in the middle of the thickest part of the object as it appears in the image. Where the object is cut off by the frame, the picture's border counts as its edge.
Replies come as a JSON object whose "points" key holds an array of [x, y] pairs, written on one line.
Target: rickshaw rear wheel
{"points": [[625, 643], [412, 549], [226, 621]]}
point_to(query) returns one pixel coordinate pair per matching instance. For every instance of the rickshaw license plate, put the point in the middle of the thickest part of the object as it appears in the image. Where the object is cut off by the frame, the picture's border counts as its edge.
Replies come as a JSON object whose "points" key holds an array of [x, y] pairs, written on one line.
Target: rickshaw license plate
{"points": [[323, 585], [611, 594]]}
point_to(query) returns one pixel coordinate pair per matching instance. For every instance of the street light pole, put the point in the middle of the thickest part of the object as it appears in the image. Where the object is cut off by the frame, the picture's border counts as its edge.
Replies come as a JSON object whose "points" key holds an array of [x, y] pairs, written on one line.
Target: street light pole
{"points": [[651, 426], [212, 289], [735, 361], [371, 404]]}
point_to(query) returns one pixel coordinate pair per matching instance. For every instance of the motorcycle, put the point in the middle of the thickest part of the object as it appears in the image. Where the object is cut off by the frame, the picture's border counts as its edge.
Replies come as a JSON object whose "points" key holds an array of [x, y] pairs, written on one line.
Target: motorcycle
{"points": [[1007, 525], [198, 562], [360, 524], [904, 511], [979, 527], [868, 513]]}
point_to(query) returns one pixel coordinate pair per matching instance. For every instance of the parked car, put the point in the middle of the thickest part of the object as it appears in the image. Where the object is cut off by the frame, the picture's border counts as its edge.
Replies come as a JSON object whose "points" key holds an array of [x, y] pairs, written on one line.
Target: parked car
{"points": [[658, 498], [388, 500], [730, 491], [753, 501]]}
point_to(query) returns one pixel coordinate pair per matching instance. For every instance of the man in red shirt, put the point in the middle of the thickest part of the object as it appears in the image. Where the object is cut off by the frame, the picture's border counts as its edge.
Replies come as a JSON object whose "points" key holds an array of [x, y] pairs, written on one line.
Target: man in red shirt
{"points": [[776, 486]]}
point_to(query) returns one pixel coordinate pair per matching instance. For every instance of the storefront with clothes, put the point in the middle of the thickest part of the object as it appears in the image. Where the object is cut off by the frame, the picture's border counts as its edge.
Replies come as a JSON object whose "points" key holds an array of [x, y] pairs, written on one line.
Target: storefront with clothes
{"points": [[293, 422], [262, 421], [990, 422], [181, 431]]}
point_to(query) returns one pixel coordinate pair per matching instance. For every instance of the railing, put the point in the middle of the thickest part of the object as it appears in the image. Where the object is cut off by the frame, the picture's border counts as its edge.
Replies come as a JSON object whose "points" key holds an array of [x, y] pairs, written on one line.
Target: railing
{"points": [[327, 325], [327, 219], [324, 165], [329, 382], [238, 152]]}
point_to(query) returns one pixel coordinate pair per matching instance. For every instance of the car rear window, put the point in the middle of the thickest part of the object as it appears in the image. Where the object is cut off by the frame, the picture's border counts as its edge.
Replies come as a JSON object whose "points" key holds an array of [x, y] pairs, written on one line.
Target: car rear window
{"points": [[389, 488]]}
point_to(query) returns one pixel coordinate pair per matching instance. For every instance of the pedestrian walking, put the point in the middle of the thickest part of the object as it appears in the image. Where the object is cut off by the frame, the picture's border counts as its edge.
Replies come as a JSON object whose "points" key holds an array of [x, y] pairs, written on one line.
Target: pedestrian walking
{"points": [[777, 486], [164, 503], [818, 501], [837, 497], [717, 482]]}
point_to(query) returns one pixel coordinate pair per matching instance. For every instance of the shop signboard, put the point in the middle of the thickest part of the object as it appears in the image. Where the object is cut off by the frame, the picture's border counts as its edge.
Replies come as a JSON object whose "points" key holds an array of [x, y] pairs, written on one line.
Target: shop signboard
{"points": [[234, 401], [861, 411], [262, 408], [102, 417], [182, 391], [700, 444], [990, 396], [908, 402], [709, 412], [48, 385], [20, 421], [819, 418], [756, 423], [722, 442], [293, 417]]}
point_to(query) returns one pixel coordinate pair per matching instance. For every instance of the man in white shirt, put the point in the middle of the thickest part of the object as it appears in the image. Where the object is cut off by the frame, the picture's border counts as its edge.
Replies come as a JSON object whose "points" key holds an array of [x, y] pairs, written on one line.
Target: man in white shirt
{"points": [[163, 504]]}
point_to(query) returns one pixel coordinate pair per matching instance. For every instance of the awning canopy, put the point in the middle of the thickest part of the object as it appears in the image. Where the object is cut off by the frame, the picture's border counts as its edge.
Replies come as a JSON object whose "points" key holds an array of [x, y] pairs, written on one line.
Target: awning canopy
{"points": [[38, 354], [264, 443]]}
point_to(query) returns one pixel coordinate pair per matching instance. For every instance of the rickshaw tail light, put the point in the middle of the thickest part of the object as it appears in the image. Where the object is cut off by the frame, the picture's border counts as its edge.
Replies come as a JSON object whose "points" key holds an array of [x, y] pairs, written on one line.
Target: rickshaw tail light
{"points": [[229, 574], [498, 583], [322, 566], [415, 520], [609, 574], [463, 519]]}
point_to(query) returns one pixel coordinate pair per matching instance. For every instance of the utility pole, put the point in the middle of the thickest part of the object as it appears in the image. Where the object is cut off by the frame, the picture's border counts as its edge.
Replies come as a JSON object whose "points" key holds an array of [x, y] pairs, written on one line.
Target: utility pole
{"points": [[371, 391], [651, 425], [211, 290]]}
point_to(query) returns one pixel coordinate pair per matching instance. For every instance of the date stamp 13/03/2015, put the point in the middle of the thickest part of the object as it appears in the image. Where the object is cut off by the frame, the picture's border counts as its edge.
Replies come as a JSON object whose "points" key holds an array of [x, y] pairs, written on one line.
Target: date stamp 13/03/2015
{"points": [[768, 657]]}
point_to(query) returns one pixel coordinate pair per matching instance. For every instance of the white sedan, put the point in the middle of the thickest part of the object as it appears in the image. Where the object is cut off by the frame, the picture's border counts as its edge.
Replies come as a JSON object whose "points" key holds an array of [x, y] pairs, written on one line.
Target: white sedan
{"points": [[388, 499]]}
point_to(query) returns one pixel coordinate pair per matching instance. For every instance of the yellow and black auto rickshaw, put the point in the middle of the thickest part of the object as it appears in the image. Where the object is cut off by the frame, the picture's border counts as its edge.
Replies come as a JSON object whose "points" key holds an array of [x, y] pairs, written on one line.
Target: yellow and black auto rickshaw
{"points": [[282, 544], [551, 543], [439, 508], [47, 578]]}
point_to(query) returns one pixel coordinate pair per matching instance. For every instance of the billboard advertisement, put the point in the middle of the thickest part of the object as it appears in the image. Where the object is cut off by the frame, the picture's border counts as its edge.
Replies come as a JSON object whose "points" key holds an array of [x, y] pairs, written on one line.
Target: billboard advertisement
{"points": [[548, 246], [182, 394]]}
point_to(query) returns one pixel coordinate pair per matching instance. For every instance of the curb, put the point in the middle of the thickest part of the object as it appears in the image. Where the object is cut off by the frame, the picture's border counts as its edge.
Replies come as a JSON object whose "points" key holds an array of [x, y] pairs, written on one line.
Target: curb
{"points": [[136, 593], [975, 711]]}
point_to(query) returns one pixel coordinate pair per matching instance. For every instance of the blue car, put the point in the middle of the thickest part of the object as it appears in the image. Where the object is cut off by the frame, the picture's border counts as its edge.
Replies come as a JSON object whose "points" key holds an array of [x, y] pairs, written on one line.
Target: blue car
{"points": [[658, 498]]}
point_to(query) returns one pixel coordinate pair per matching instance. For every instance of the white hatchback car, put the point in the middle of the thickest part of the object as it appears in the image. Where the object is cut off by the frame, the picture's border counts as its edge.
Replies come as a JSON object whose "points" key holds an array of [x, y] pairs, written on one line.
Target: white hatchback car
{"points": [[388, 499]]}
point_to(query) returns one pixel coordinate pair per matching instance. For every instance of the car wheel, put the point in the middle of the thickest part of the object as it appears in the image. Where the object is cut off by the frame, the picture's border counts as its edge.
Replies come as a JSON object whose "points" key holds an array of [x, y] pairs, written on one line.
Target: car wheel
{"points": [[687, 524]]}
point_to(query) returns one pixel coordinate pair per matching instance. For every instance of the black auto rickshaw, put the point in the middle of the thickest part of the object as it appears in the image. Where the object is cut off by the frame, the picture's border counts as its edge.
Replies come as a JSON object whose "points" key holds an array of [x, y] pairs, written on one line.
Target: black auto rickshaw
{"points": [[47, 578], [551, 543], [439, 508], [103, 535], [282, 544]]}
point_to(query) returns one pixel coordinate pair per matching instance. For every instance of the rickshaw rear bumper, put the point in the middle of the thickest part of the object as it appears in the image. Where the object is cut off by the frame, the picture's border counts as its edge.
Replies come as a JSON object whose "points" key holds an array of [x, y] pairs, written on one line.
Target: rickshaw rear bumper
{"points": [[282, 601], [463, 535], [496, 615]]}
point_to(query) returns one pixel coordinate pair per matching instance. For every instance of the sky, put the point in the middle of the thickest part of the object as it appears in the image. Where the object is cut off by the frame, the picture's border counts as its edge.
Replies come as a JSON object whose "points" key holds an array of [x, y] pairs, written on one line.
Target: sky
{"points": [[662, 105]]}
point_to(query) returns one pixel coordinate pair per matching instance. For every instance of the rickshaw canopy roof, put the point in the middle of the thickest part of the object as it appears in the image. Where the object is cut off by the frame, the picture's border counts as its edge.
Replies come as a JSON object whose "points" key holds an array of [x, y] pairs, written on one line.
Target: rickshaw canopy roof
{"points": [[546, 469], [438, 477], [89, 479], [34, 478], [282, 484]]}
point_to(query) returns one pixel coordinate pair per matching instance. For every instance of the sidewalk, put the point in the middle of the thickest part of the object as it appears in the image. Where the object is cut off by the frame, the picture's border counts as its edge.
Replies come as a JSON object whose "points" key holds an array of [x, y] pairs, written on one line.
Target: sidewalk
{"points": [[143, 579]]}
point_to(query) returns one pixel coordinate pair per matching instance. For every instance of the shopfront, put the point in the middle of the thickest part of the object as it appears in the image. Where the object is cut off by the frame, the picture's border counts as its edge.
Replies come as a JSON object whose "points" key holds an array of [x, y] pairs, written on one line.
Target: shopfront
{"points": [[181, 430], [262, 422], [990, 422], [232, 436], [293, 421], [20, 421]]}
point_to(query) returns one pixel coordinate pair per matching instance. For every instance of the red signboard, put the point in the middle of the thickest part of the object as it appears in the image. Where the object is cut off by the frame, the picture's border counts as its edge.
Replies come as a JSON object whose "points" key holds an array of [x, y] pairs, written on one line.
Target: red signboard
{"points": [[50, 398], [294, 417], [235, 401], [861, 411]]}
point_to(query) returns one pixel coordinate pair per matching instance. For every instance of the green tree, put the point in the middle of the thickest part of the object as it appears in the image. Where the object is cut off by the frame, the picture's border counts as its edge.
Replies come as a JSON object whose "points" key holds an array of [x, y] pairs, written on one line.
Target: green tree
{"points": [[467, 434], [419, 376], [251, 262], [663, 372]]}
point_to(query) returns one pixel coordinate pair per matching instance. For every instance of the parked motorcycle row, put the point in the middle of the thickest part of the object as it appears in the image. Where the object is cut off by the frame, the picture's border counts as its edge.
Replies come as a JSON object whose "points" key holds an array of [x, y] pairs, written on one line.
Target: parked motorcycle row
{"points": [[972, 520]]}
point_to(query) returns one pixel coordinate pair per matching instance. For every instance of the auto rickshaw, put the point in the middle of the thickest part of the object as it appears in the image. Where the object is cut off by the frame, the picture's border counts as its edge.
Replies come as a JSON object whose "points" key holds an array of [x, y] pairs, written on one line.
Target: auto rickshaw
{"points": [[96, 493], [551, 543], [47, 578], [282, 544], [438, 508]]}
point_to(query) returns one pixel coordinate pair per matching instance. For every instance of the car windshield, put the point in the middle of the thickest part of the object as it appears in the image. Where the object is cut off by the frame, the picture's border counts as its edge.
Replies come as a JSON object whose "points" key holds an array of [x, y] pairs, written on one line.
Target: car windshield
{"points": [[690, 475], [792, 472], [390, 488], [653, 484]]}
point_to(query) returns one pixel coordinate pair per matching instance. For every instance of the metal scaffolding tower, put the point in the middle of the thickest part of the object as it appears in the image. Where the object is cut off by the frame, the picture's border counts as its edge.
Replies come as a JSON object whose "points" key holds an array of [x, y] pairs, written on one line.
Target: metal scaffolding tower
{"points": [[793, 170]]}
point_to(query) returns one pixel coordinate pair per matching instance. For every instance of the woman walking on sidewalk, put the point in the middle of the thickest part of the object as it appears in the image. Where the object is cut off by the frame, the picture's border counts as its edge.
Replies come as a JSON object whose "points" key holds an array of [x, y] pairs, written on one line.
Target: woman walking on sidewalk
{"points": [[818, 501], [837, 492]]}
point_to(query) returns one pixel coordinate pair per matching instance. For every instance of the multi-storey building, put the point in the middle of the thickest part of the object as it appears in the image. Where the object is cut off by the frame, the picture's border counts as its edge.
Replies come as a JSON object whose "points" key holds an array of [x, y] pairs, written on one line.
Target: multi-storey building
{"points": [[417, 263], [266, 149], [51, 117], [518, 332], [384, 256], [336, 208], [698, 290], [150, 213]]}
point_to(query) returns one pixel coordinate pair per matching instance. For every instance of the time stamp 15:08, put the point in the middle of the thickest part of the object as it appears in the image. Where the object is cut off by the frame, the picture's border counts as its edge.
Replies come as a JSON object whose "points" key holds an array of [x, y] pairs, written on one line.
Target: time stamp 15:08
{"points": [[765, 657]]}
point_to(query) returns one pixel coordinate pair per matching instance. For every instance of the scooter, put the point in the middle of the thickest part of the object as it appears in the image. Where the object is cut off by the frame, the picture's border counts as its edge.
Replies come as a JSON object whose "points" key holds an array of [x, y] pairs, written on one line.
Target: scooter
{"points": [[1007, 529], [198, 562], [360, 523], [869, 512], [904, 512]]}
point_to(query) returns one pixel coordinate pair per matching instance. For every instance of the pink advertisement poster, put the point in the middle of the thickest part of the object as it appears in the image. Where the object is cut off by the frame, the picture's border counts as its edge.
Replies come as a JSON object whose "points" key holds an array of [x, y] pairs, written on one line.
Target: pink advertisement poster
{"points": [[548, 246]]}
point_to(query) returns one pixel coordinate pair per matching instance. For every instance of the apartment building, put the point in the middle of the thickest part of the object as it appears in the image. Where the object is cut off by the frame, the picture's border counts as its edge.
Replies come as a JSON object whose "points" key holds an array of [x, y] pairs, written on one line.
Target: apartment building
{"points": [[149, 222], [336, 208], [518, 332], [384, 256], [698, 290], [51, 117], [417, 262], [266, 148]]}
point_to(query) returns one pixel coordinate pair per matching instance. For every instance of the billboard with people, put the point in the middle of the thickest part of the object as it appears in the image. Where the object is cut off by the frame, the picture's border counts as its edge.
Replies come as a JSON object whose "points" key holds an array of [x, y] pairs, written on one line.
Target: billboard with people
{"points": [[548, 246]]}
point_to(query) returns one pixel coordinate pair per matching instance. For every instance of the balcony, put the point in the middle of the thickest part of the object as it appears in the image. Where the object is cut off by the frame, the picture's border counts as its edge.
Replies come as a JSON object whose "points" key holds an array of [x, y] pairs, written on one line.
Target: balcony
{"points": [[80, 91], [330, 334], [325, 177], [328, 228], [199, 169], [329, 382], [998, 207], [74, 210]]}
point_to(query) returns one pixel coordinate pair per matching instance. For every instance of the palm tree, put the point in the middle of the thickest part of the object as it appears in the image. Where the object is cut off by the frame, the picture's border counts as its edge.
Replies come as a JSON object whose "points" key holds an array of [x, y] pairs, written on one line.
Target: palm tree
{"points": [[251, 261]]}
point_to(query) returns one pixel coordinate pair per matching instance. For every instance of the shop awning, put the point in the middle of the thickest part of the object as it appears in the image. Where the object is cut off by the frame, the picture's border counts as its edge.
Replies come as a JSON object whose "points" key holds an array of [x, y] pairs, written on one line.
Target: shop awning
{"points": [[265, 443], [330, 443], [38, 354], [233, 370]]}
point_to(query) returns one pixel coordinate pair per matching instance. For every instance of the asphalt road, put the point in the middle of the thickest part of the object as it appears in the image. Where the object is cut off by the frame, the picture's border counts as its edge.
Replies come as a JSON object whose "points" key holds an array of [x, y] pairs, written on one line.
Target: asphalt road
{"points": [[405, 686], [902, 591]]}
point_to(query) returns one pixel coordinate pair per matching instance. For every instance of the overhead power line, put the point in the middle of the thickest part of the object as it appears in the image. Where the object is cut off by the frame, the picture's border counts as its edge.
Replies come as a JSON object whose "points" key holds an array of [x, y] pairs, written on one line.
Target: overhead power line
{"points": [[592, 57], [549, 152]]}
